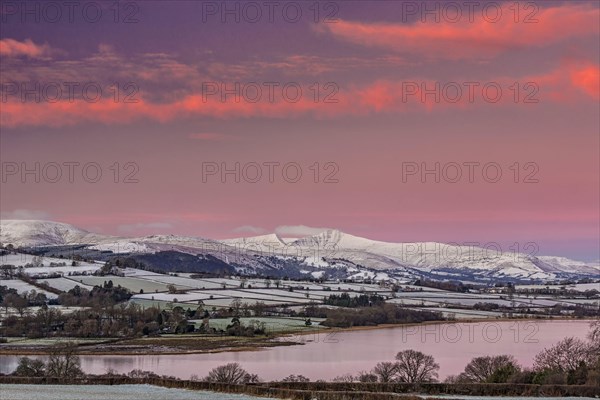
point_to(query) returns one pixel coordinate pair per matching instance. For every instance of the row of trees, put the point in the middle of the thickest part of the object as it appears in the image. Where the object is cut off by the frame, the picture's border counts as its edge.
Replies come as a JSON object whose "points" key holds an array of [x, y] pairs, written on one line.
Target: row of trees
{"points": [[377, 314], [571, 361], [62, 363], [10, 298], [99, 296], [410, 366], [122, 320], [345, 300], [231, 373]]}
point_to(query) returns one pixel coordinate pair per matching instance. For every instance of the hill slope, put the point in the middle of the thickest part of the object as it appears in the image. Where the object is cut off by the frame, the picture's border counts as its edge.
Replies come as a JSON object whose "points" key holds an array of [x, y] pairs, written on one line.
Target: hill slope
{"points": [[333, 252]]}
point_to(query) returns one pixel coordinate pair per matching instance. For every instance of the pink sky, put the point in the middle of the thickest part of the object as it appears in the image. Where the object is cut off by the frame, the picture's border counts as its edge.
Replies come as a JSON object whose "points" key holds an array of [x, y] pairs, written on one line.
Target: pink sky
{"points": [[376, 68]]}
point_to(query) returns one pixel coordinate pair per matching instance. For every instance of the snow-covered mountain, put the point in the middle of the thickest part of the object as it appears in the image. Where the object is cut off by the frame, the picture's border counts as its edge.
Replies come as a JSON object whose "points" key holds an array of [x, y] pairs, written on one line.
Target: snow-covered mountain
{"points": [[435, 258], [35, 233], [332, 252]]}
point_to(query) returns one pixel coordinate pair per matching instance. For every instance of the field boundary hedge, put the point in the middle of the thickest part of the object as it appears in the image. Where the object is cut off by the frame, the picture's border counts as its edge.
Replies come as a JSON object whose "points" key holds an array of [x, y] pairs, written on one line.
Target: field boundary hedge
{"points": [[328, 390]]}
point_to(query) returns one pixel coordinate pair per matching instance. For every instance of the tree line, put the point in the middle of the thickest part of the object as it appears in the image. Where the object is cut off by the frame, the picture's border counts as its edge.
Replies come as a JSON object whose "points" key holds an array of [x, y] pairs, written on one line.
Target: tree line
{"points": [[571, 361], [375, 314]]}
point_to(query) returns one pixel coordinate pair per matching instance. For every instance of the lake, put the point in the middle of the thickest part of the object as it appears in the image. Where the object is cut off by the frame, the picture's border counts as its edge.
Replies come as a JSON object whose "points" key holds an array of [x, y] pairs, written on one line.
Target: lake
{"points": [[327, 355]]}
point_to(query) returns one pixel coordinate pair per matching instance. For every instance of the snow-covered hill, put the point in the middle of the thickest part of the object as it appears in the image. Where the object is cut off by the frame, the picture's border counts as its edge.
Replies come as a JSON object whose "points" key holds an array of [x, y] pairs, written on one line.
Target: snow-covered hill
{"points": [[34, 233], [331, 251], [430, 257]]}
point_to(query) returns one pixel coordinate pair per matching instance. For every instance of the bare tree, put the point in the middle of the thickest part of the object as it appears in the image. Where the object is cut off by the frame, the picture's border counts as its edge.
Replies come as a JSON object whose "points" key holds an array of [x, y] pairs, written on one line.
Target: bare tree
{"points": [[346, 378], [386, 372], [564, 356], [295, 378], [172, 288], [37, 261], [594, 336], [30, 367], [481, 369], [64, 363], [259, 308], [7, 271], [456, 379], [15, 301], [231, 373], [140, 374], [415, 367], [236, 306], [366, 377]]}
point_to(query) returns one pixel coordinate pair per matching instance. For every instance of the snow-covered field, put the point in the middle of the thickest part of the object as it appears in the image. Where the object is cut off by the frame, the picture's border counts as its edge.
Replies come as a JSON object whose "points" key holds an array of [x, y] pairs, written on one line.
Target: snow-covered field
{"points": [[45, 265], [247, 296], [353, 286], [227, 281], [470, 299], [581, 287], [122, 246], [24, 287], [285, 294], [181, 297], [585, 286], [420, 288], [444, 295], [64, 284], [33, 310], [220, 292], [225, 302], [145, 303], [182, 282], [18, 285], [113, 392], [407, 301], [582, 301], [138, 272]]}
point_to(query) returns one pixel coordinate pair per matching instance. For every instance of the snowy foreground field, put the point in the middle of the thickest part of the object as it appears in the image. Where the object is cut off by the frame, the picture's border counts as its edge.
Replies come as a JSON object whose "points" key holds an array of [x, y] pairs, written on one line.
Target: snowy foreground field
{"points": [[148, 392], [438, 396], [117, 392]]}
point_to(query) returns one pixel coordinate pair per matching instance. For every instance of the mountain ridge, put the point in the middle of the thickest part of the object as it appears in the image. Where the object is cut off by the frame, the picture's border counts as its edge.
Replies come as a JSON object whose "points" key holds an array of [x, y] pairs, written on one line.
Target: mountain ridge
{"points": [[331, 250]]}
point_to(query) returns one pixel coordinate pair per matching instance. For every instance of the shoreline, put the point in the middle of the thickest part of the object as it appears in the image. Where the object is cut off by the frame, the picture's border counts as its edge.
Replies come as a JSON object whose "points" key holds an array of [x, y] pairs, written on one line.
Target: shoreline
{"points": [[262, 344], [460, 321]]}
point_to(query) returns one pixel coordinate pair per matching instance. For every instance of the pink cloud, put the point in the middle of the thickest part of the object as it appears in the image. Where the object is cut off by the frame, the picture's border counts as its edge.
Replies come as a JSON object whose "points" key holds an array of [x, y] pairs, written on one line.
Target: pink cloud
{"points": [[587, 79], [14, 48], [478, 39], [568, 83]]}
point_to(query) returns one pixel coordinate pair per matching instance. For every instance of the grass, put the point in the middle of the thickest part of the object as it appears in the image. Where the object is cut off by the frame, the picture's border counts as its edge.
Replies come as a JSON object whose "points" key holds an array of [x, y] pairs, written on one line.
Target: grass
{"points": [[273, 325], [198, 343], [18, 341]]}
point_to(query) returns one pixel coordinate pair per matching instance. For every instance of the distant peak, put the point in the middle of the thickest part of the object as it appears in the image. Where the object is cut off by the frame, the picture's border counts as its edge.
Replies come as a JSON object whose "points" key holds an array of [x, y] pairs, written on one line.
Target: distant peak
{"points": [[34, 223]]}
